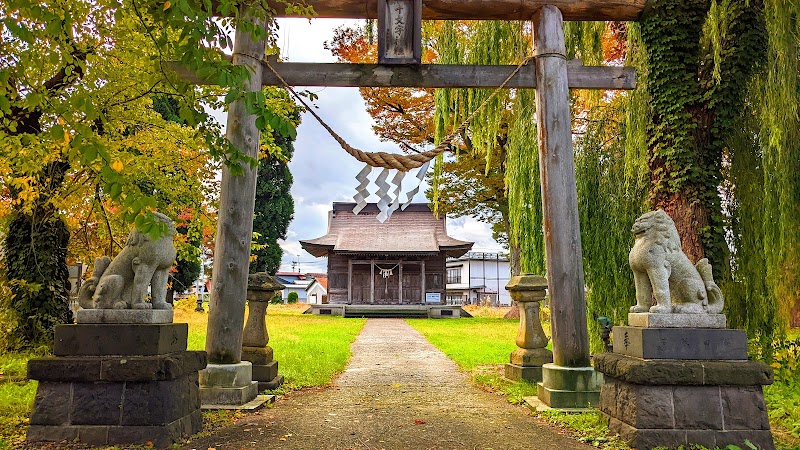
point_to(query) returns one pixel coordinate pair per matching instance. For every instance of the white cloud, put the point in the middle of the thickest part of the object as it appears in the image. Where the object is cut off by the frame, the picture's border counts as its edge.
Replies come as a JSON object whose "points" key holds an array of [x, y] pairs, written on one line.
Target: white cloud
{"points": [[469, 229]]}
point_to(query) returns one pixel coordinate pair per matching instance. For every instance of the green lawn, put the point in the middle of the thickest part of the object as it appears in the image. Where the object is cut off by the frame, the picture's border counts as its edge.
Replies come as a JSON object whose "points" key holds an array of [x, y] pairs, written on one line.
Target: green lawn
{"points": [[310, 351], [471, 342]]}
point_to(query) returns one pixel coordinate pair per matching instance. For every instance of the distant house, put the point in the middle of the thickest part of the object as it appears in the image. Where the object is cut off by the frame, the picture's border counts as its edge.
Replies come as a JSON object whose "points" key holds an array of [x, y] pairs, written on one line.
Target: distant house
{"points": [[398, 262], [478, 278], [296, 282], [317, 291]]}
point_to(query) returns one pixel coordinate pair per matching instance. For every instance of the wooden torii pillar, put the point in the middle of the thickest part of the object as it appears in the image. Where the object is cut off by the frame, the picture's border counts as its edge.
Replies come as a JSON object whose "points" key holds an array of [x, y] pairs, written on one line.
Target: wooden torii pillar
{"points": [[570, 381]]}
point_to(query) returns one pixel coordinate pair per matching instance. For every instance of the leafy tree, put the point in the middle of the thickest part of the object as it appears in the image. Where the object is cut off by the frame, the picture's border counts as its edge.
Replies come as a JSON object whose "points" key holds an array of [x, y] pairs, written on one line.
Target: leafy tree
{"points": [[274, 205], [292, 297], [79, 138], [187, 264]]}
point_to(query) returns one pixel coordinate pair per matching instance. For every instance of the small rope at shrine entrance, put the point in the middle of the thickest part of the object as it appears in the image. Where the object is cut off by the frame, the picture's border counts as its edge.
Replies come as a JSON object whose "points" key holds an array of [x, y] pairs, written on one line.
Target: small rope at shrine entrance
{"points": [[389, 199], [386, 273]]}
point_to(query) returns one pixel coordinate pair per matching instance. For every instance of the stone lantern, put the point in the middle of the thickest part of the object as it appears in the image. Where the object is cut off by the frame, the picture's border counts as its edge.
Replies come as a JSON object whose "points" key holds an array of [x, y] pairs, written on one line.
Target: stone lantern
{"points": [[261, 287], [526, 361]]}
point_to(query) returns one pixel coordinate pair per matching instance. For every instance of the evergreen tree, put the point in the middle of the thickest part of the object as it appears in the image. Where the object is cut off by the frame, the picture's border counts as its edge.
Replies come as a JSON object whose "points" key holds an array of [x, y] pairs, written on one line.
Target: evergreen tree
{"points": [[274, 205]]}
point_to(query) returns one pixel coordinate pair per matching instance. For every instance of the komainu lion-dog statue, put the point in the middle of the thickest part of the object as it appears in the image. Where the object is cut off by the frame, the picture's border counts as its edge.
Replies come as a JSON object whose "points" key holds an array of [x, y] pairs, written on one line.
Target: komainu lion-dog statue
{"points": [[661, 269], [122, 283]]}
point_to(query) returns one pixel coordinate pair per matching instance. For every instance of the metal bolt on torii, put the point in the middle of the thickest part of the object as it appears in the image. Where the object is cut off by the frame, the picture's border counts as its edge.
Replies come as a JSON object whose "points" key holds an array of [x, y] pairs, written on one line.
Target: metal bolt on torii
{"points": [[570, 381]]}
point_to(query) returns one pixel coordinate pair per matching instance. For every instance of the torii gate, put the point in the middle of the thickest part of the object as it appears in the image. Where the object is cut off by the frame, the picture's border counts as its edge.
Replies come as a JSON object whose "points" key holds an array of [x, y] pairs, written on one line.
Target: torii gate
{"points": [[570, 379]]}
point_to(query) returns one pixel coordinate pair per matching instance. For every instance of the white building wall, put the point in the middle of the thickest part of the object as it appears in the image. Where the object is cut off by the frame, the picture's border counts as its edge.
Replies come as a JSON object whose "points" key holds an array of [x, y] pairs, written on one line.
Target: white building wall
{"points": [[484, 274], [315, 293]]}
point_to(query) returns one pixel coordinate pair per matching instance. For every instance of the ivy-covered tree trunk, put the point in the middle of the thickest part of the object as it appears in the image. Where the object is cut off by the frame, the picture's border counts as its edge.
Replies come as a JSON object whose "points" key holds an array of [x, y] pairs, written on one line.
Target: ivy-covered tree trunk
{"points": [[671, 35], [696, 80], [35, 253]]}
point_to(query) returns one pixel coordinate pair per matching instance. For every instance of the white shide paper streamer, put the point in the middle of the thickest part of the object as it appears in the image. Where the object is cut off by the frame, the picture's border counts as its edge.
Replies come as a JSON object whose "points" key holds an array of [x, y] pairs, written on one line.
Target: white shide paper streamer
{"points": [[388, 193]]}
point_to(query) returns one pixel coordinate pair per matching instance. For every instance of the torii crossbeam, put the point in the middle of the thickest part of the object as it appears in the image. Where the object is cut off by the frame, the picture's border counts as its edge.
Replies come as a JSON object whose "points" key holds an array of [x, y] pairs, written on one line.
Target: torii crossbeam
{"points": [[570, 381]]}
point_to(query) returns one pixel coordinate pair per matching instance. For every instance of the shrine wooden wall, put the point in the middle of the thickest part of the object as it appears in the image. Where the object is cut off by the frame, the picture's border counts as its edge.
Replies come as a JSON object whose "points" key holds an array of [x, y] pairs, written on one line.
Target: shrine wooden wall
{"points": [[386, 291]]}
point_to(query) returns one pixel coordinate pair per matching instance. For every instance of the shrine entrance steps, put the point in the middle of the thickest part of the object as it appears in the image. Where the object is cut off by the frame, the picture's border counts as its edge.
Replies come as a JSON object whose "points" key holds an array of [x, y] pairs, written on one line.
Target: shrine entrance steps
{"points": [[390, 311]]}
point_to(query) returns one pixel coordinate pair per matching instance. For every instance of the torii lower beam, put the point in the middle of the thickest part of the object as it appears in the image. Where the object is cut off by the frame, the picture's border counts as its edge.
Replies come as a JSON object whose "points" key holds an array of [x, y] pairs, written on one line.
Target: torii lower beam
{"points": [[431, 75]]}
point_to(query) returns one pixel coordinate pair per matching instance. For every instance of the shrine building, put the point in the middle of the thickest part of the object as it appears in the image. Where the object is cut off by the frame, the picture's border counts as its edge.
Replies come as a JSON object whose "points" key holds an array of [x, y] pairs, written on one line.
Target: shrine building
{"points": [[398, 262]]}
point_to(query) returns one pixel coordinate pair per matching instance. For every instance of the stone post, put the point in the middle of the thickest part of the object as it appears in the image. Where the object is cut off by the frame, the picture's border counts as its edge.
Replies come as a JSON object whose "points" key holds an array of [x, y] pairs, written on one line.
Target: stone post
{"points": [[261, 288], [526, 361], [570, 382], [227, 380]]}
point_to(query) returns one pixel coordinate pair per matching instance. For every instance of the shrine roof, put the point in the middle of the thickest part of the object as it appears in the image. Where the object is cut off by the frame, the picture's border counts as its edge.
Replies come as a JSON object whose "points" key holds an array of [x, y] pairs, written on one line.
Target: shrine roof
{"points": [[415, 230]]}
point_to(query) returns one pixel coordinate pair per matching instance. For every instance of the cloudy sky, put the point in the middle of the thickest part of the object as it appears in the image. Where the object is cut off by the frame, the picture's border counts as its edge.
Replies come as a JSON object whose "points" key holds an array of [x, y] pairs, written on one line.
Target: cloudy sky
{"points": [[323, 172]]}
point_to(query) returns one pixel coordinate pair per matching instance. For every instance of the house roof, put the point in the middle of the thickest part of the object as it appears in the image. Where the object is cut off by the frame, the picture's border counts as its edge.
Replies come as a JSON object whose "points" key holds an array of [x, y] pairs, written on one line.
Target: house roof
{"points": [[296, 275], [291, 278], [414, 230], [322, 281]]}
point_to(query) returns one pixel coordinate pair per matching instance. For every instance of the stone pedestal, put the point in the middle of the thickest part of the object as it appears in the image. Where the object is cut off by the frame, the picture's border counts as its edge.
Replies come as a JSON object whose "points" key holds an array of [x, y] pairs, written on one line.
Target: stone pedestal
{"points": [[113, 383], [526, 362], [670, 387], [261, 288], [569, 388], [227, 384]]}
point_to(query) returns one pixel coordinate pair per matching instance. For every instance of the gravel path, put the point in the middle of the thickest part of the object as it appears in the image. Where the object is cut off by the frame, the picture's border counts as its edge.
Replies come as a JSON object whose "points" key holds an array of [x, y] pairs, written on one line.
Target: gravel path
{"points": [[398, 392]]}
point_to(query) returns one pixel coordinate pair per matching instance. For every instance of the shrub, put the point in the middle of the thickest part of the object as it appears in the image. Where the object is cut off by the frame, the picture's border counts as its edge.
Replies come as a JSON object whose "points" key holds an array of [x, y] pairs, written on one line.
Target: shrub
{"points": [[188, 303], [293, 297], [276, 299]]}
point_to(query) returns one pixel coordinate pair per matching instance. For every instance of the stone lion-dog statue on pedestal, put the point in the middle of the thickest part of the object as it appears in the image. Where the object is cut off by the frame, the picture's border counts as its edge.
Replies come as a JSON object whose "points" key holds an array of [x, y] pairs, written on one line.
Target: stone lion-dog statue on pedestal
{"points": [[122, 283], [661, 269]]}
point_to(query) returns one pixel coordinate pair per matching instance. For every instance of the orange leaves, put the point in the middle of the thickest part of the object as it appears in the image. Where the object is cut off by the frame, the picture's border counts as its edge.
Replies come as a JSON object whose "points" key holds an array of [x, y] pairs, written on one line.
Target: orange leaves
{"points": [[401, 114]]}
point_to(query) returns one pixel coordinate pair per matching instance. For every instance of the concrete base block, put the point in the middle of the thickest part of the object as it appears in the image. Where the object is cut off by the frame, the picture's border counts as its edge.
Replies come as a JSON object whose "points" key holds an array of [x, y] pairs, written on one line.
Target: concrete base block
{"points": [[120, 339], [531, 357], [228, 395], [567, 400], [326, 310], [649, 320], [253, 405], [140, 316], [515, 372], [162, 436], [274, 383], [680, 343], [227, 375], [534, 404], [265, 372], [569, 387], [257, 355], [653, 412]]}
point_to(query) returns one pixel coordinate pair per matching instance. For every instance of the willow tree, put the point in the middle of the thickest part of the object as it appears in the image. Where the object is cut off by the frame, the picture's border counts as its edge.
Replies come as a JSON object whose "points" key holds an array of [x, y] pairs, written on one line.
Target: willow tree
{"points": [[764, 189], [502, 131]]}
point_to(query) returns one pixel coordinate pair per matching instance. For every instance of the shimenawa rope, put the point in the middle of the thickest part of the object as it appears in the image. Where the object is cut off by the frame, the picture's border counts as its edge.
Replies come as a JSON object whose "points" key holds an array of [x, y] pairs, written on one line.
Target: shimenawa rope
{"points": [[401, 162]]}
